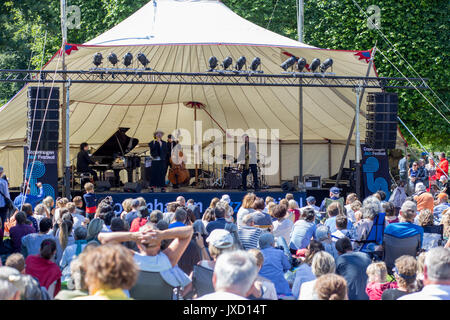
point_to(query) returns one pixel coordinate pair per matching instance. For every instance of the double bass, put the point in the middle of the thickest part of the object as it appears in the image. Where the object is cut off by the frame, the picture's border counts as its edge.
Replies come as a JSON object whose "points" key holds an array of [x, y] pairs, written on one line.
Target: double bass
{"points": [[178, 174]]}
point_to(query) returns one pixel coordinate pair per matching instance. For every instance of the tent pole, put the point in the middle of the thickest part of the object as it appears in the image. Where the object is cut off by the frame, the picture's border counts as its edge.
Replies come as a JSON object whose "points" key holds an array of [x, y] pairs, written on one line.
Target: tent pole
{"points": [[300, 135], [300, 20], [195, 144], [352, 127], [65, 107], [358, 142]]}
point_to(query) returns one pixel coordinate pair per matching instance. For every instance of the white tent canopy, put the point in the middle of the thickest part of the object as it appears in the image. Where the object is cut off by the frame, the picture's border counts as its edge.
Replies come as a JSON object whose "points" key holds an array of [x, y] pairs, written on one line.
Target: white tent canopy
{"points": [[180, 36]]}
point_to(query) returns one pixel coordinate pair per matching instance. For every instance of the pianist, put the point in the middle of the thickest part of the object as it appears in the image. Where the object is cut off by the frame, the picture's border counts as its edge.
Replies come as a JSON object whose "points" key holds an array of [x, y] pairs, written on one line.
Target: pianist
{"points": [[84, 160]]}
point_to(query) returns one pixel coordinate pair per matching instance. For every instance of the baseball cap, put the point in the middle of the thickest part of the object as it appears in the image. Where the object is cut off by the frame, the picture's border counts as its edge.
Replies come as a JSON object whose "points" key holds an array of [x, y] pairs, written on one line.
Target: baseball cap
{"points": [[226, 198], [310, 199], [220, 238], [335, 190]]}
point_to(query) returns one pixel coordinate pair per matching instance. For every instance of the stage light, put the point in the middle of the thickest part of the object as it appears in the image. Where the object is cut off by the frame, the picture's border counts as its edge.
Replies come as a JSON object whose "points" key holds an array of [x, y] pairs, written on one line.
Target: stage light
{"points": [[315, 64], [326, 64], [143, 59], [288, 63], [255, 64], [227, 62], [301, 64], [128, 59], [212, 63], [240, 63], [98, 58], [113, 58]]}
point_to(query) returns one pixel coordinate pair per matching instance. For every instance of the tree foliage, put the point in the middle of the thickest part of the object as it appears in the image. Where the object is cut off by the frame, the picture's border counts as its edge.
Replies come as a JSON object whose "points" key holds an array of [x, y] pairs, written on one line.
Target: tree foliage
{"points": [[418, 30]]}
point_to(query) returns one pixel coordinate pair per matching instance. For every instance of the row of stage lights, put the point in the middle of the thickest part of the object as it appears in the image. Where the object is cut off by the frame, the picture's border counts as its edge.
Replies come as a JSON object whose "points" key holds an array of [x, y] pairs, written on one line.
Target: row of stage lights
{"points": [[299, 63]]}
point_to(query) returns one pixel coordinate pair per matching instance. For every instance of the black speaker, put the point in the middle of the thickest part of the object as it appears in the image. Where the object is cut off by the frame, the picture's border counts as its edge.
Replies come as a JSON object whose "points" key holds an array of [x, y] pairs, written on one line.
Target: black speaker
{"points": [[43, 118], [288, 186], [132, 187], [102, 186], [381, 118]]}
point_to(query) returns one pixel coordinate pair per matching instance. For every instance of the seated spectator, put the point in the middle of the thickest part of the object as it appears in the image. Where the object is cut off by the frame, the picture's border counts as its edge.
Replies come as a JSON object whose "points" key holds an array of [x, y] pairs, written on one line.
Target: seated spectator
{"points": [[246, 207], [441, 205], [194, 253], [20, 230], [219, 222], [406, 227], [377, 273], [267, 201], [78, 219], [352, 266], [64, 234], [398, 196], [126, 206], [141, 220], [430, 240], [31, 243], [78, 201], [294, 210], [275, 264], [370, 209], [304, 273], [16, 261], [44, 269], [322, 263], [8, 291], [28, 286], [76, 285], [423, 198], [391, 216], [405, 274], [331, 287], [28, 209], [333, 210], [108, 283], [208, 216], [264, 287], [133, 214], [40, 212], [341, 226], [351, 198], [94, 229], [49, 204], [260, 218], [323, 235], [196, 209], [303, 230], [179, 218], [72, 251], [233, 277], [248, 233], [155, 216], [436, 277], [282, 226]]}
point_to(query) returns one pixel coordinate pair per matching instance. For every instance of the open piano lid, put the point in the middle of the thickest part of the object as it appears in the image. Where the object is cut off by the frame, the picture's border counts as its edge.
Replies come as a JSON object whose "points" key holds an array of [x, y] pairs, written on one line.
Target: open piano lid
{"points": [[119, 144]]}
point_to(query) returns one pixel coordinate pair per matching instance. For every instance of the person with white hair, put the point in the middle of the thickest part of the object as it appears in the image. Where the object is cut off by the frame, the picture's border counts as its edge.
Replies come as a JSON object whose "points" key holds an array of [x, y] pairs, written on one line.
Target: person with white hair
{"points": [[322, 263], [234, 275], [248, 233], [436, 276], [406, 227], [424, 199], [8, 291], [370, 209]]}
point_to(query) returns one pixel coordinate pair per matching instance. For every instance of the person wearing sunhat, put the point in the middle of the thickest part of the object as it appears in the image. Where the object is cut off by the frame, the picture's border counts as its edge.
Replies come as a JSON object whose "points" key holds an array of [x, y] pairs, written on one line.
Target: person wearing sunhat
{"points": [[334, 196], [158, 169]]}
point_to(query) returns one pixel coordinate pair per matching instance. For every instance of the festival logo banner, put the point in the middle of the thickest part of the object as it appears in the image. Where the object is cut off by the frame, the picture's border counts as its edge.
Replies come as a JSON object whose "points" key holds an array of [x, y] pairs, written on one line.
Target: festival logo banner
{"points": [[42, 166], [375, 171]]}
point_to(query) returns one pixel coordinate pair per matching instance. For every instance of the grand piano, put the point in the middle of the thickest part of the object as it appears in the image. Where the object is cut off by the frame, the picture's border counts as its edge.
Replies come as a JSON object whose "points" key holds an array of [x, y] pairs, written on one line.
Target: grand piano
{"points": [[114, 155]]}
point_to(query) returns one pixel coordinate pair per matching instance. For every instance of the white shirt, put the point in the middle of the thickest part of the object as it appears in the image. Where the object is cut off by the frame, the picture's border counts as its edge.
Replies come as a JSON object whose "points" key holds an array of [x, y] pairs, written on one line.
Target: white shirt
{"points": [[307, 290], [220, 295], [302, 275], [283, 229], [78, 220], [430, 292]]}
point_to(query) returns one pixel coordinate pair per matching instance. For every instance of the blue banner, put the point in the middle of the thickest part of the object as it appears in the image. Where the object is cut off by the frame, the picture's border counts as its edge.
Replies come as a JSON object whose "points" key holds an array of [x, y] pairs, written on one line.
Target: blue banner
{"points": [[43, 167], [159, 201], [375, 171]]}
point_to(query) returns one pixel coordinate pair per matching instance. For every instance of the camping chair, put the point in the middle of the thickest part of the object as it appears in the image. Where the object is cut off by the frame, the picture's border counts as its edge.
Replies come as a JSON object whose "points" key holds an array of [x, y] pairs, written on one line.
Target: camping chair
{"points": [[202, 281], [395, 247], [374, 237], [151, 286], [437, 234]]}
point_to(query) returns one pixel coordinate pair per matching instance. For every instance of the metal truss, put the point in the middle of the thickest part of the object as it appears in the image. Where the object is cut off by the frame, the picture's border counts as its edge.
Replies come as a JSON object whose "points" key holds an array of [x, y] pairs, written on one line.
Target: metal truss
{"points": [[214, 78]]}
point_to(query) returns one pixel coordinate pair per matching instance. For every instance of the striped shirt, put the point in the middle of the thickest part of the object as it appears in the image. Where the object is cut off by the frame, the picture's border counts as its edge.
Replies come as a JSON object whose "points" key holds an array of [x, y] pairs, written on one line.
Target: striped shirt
{"points": [[249, 236]]}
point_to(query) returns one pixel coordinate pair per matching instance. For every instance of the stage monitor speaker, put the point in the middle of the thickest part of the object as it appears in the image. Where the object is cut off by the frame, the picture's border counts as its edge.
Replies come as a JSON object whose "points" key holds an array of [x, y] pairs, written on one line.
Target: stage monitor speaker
{"points": [[43, 118], [381, 127], [102, 186], [132, 187], [288, 186]]}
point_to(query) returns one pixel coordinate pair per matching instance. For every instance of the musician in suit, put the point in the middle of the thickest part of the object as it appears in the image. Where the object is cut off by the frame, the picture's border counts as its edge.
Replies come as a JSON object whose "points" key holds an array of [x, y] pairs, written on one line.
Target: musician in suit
{"points": [[247, 158], [84, 160], [158, 169]]}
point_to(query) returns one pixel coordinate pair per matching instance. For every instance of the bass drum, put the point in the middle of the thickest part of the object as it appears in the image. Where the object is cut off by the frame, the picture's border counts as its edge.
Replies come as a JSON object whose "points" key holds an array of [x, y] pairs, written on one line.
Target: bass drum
{"points": [[233, 180]]}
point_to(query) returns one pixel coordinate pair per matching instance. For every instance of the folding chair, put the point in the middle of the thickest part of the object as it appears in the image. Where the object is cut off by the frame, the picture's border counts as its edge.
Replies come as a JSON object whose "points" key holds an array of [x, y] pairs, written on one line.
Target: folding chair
{"points": [[374, 237], [151, 286], [395, 247]]}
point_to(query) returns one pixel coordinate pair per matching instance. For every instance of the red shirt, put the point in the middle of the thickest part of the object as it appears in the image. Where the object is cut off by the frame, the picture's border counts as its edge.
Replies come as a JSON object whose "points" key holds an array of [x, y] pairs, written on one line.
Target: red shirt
{"points": [[137, 223], [441, 168], [45, 271]]}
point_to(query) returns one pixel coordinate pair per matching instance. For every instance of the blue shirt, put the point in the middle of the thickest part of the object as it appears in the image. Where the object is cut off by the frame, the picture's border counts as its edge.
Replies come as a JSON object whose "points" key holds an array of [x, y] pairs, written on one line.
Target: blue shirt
{"points": [[4, 190], [29, 198], [404, 230], [216, 224], [130, 216], [275, 265], [90, 200], [176, 224], [301, 234], [331, 224]]}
